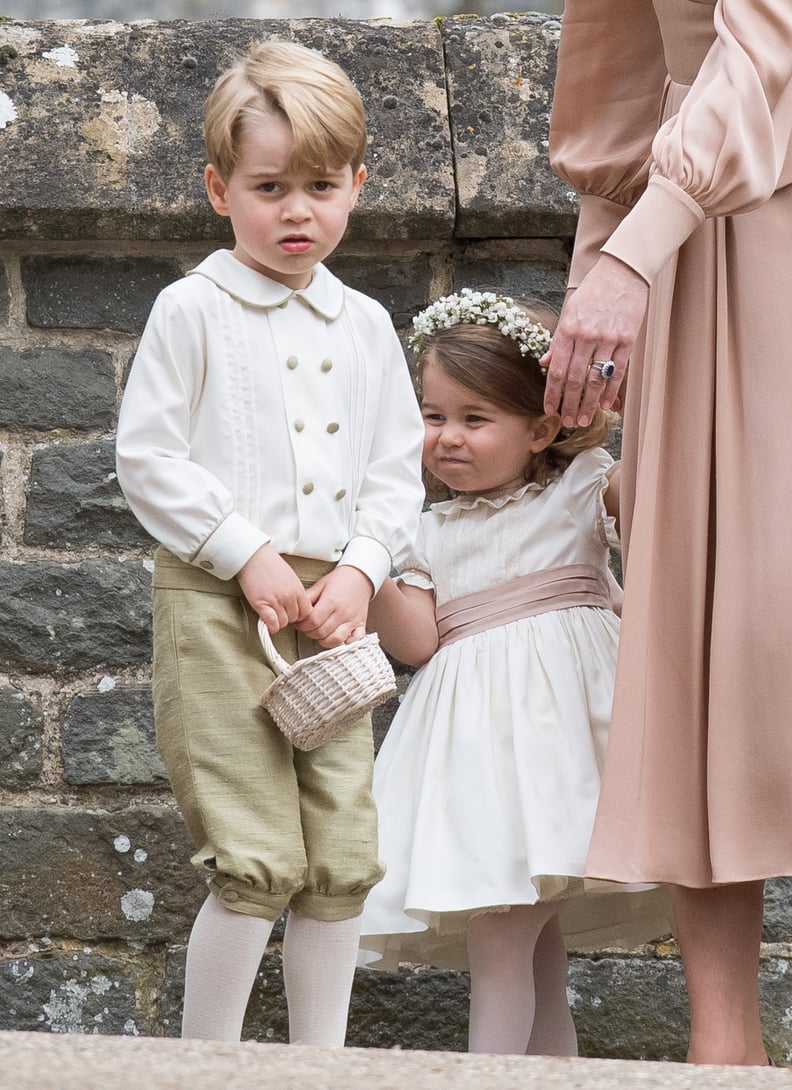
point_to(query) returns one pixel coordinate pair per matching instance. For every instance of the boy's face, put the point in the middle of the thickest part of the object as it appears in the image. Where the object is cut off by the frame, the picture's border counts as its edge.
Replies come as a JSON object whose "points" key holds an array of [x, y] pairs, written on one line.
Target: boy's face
{"points": [[284, 221]]}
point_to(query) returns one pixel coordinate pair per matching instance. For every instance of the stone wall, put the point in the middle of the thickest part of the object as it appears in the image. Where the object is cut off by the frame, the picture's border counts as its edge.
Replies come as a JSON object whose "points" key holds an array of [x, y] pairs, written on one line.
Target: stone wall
{"points": [[101, 204]]}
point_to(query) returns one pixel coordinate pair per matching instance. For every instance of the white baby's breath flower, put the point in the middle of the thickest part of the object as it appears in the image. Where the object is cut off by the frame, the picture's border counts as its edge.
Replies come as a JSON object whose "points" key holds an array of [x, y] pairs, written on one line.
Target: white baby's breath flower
{"points": [[482, 308]]}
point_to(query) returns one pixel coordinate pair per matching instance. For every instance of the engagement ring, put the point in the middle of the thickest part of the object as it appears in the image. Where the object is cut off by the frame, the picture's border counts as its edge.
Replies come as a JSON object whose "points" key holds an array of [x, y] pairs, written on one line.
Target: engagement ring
{"points": [[607, 368]]}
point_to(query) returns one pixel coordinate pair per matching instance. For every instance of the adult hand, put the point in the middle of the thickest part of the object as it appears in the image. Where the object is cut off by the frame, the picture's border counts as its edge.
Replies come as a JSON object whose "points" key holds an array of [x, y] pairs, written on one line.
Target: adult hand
{"points": [[273, 590], [599, 322]]}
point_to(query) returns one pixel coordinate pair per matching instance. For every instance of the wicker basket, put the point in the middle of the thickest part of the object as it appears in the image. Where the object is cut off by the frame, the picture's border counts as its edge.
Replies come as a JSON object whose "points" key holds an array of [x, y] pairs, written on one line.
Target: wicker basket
{"points": [[316, 699]]}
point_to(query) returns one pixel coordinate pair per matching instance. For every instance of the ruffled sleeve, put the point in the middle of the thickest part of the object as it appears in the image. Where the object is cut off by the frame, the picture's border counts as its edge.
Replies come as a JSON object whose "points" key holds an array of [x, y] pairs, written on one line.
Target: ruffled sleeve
{"points": [[414, 571], [724, 152], [585, 483]]}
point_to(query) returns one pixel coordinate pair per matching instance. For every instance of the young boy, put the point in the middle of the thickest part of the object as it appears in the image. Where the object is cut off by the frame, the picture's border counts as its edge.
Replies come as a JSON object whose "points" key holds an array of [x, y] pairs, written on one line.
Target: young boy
{"points": [[270, 440]]}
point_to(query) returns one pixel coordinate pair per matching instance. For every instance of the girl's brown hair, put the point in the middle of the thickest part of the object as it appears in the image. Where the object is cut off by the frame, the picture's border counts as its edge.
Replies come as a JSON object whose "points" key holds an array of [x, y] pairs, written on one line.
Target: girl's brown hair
{"points": [[485, 361]]}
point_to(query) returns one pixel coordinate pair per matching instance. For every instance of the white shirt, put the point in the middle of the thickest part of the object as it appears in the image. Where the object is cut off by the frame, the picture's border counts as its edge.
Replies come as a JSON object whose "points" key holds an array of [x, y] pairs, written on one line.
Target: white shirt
{"points": [[255, 414]]}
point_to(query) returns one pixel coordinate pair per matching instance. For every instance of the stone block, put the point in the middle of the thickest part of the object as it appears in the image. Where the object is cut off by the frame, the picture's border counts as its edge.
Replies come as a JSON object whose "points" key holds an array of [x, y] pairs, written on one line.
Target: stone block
{"points": [[97, 875], [108, 737], [4, 295], [87, 616], [123, 103], [414, 1008], [94, 292], [543, 280], [74, 499], [500, 73], [21, 733], [778, 910], [62, 991], [46, 388], [634, 1007], [401, 285], [267, 1017]]}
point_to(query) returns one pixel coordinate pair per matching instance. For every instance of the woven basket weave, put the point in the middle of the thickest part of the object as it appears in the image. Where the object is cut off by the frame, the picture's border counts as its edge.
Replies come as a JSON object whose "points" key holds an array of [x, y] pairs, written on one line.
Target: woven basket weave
{"points": [[314, 700]]}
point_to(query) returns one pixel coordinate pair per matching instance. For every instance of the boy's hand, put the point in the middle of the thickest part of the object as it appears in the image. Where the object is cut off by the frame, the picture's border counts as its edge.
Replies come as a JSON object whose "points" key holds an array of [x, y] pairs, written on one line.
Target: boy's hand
{"points": [[273, 590], [340, 606]]}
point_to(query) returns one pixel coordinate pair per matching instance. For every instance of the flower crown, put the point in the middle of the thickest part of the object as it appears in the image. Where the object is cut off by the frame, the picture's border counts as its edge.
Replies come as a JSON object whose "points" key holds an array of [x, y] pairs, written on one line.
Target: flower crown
{"points": [[482, 308]]}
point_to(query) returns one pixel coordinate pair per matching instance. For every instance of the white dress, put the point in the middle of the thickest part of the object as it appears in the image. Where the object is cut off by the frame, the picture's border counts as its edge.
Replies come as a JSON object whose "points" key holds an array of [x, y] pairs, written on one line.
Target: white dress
{"points": [[488, 779]]}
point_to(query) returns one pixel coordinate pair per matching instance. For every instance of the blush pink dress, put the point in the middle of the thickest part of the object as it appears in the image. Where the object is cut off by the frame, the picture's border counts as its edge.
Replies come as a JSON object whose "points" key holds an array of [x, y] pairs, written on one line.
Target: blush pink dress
{"points": [[672, 119]]}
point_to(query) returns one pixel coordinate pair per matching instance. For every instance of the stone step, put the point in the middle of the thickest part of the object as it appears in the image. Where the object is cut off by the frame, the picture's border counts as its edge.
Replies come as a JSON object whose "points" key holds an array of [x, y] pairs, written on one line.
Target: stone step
{"points": [[38, 1061]]}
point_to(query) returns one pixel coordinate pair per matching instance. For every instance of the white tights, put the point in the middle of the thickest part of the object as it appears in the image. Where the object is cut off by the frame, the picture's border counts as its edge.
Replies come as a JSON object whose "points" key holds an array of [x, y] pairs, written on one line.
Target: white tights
{"points": [[518, 970], [223, 957]]}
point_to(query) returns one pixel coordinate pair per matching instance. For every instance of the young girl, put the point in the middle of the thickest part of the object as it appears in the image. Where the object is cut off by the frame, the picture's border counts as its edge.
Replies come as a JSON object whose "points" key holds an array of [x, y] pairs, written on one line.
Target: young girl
{"points": [[488, 780]]}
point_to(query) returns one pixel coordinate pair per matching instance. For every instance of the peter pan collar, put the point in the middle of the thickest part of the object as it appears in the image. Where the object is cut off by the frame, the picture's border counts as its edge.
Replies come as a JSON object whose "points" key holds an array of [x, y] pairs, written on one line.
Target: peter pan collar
{"points": [[325, 293]]}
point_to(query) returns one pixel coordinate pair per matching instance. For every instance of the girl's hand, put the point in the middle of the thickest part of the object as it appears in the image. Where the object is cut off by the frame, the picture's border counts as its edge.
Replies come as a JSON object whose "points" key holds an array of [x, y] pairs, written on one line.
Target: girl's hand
{"points": [[340, 602], [273, 590], [599, 322]]}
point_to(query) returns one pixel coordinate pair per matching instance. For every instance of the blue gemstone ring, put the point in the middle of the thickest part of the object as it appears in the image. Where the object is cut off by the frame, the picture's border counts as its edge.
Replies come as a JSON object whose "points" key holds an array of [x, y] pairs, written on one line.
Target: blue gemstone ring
{"points": [[607, 368]]}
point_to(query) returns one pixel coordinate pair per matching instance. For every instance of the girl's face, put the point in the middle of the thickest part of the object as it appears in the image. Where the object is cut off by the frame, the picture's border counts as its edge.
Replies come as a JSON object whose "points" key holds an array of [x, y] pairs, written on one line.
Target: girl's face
{"points": [[471, 444]]}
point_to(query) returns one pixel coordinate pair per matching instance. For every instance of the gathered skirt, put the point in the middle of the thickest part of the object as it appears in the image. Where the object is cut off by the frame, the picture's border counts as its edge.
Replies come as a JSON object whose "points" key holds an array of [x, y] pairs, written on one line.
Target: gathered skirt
{"points": [[486, 786]]}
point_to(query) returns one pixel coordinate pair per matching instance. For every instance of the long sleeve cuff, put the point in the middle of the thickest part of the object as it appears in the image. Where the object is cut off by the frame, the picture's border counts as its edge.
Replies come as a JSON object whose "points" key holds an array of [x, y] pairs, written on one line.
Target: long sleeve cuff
{"points": [[661, 221], [229, 547], [371, 557]]}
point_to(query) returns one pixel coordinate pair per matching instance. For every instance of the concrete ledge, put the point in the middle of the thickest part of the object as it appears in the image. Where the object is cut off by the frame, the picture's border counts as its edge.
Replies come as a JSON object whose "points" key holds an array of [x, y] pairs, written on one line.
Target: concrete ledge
{"points": [[33, 1061]]}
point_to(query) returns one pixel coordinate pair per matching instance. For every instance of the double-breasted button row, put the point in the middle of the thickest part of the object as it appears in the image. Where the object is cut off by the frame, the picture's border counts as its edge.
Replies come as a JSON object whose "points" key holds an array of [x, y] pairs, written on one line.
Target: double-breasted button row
{"points": [[325, 366], [332, 427], [309, 486]]}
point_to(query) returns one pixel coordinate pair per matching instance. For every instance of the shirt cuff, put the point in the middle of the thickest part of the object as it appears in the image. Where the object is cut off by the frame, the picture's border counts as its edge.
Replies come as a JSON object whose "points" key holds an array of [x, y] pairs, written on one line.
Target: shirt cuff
{"points": [[229, 547], [371, 557], [662, 220]]}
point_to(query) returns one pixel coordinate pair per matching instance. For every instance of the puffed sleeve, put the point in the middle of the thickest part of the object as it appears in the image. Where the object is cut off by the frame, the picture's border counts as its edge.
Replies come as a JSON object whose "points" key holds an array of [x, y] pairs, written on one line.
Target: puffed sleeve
{"points": [[585, 482], [608, 94], [414, 569], [727, 149]]}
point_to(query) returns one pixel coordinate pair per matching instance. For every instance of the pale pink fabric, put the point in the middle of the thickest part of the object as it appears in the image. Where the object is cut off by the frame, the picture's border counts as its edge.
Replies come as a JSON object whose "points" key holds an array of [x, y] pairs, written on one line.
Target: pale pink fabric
{"points": [[525, 596], [697, 98]]}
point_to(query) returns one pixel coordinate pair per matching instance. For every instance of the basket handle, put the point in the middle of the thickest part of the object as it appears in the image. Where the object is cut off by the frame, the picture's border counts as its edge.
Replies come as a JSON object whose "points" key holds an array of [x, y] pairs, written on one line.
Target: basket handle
{"points": [[276, 661]]}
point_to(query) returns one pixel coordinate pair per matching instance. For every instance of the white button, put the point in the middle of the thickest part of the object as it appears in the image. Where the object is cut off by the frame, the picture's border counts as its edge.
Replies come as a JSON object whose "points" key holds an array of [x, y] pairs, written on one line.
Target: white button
{"points": [[207, 564], [299, 425], [333, 428], [292, 362], [340, 493], [308, 488], [327, 365]]}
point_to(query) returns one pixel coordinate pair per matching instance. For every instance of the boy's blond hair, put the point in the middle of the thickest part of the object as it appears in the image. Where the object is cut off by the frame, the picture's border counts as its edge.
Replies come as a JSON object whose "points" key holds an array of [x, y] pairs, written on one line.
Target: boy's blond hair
{"points": [[314, 94]]}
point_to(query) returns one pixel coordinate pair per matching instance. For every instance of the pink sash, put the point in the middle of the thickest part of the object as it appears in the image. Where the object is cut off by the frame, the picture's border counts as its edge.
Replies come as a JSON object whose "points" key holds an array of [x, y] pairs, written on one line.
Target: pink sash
{"points": [[526, 596]]}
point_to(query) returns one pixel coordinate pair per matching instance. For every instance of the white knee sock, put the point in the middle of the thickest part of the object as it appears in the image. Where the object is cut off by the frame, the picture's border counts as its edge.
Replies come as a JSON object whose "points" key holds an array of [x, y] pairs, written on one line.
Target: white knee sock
{"points": [[223, 957], [504, 992], [318, 972]]}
